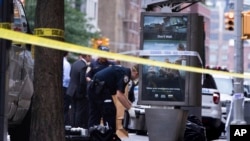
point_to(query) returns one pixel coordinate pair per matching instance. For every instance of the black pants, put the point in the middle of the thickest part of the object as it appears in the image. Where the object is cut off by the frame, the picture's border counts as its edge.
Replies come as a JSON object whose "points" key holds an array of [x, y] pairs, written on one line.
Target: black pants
{"points": [[102, 107], [66, 104], [79, 113]]}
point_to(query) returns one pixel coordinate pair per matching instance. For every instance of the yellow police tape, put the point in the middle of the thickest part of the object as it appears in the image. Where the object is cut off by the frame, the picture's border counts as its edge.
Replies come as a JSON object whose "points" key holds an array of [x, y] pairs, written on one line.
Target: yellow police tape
{"points": [[49, 32], [5, 25], [54, 44], [8, 26]]}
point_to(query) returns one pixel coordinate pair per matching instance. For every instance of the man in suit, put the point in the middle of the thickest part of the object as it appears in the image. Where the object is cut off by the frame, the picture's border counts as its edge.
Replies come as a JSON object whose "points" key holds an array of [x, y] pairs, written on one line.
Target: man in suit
{"points": [[77, 91]]}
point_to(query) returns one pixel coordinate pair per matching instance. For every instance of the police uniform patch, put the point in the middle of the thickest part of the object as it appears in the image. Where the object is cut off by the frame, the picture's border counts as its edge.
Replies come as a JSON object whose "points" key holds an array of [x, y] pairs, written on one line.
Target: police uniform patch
{"points": [[125, 79]]}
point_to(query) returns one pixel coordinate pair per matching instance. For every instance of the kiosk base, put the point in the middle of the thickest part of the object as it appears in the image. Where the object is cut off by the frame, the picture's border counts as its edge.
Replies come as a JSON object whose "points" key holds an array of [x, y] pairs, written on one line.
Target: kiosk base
{"points": [[166, 124]]}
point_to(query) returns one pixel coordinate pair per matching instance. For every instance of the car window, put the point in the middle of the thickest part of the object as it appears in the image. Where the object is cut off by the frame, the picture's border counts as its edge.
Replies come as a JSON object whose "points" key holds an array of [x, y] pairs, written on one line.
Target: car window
{"points": [[208, 82], [225, 85]]}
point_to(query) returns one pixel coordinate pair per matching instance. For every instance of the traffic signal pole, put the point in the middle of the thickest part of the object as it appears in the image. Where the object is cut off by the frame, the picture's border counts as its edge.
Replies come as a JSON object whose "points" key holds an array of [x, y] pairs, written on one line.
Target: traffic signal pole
{"points": [[5, 20], [238, 97], [238, 46]]}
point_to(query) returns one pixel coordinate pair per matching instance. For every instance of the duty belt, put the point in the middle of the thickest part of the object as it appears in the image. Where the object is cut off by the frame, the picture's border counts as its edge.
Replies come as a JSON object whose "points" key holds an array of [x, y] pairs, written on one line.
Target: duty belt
{"points": [[98, 85]]}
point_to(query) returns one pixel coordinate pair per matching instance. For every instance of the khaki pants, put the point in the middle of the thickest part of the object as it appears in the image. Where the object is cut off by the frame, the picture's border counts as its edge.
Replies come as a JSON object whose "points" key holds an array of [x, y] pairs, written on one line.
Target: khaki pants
{"points": [[120, 131]]}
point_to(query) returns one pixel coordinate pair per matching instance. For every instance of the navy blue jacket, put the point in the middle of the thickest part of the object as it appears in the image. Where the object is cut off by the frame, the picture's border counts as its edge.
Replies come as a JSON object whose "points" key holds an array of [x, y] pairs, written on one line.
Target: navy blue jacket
{"points": [[96, 66], [115, 77]]}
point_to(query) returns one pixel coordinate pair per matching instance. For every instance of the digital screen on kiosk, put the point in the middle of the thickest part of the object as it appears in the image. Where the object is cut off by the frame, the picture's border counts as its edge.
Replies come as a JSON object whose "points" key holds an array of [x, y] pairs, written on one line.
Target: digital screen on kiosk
{"points": [[167, 34]]}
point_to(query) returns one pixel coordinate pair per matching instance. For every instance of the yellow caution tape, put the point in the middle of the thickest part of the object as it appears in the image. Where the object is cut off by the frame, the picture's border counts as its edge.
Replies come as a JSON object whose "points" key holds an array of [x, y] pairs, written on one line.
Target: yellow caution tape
{"points": [[8, 26], [5, 25], [54, 44], [49, 32]]}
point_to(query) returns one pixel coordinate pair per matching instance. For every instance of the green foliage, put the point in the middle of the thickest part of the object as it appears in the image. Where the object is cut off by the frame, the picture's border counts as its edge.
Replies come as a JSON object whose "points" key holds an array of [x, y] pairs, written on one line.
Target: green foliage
{"points": [[77, 29], [30, 6]]}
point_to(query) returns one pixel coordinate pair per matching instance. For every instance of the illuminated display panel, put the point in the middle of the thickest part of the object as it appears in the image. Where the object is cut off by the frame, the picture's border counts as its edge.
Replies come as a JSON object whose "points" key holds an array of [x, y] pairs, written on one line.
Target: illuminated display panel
{"points": [[165, 37]]}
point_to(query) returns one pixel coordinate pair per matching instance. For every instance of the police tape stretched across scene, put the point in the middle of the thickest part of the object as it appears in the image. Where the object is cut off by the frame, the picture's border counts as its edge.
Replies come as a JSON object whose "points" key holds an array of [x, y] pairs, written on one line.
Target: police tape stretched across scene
{"points": [[58, 45]]}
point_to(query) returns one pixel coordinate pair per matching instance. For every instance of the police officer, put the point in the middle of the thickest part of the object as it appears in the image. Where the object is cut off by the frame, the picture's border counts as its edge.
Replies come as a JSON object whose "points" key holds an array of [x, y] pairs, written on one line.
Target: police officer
{"points": [[107, 82], [98, 64]]}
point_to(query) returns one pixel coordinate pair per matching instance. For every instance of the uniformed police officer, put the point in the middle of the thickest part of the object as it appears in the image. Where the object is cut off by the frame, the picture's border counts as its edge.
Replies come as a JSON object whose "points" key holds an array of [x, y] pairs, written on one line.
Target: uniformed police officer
{"points": [[107, 82], [98, 64]]}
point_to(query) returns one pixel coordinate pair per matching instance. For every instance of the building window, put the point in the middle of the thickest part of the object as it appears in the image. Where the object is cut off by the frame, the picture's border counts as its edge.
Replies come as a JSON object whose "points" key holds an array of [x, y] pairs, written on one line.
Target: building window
{"points": [[224, 57], [212, 59], [248, 56], [224, 48], [248, 66], [213, 48], [95, 9], [214, 25], [227, 37], [214, 36]]}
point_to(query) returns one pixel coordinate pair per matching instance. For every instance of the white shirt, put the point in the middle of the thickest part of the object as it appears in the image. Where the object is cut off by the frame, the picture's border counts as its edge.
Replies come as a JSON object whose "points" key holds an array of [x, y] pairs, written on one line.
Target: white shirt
{"points": [[87, 63], [66, 72]]}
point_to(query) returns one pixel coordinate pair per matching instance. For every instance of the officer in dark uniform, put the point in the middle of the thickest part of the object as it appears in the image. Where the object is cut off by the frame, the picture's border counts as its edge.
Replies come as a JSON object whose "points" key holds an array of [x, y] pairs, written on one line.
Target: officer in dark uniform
{"points": [[98, 64], [107, 82]]}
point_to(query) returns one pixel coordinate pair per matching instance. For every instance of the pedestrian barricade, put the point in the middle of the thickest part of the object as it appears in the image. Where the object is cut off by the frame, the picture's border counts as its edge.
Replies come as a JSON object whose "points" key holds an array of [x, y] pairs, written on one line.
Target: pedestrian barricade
{"points": [[246, 111]]}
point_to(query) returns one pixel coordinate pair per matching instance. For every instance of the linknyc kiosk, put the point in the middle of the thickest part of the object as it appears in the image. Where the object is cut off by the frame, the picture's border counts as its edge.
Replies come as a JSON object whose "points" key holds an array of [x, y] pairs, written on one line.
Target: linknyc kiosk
{"points": [[174, 38]]}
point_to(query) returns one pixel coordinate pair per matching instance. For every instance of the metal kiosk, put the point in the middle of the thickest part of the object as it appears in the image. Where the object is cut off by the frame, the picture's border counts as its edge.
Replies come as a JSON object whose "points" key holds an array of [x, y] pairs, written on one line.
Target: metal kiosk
{"points": [[169, 37]]}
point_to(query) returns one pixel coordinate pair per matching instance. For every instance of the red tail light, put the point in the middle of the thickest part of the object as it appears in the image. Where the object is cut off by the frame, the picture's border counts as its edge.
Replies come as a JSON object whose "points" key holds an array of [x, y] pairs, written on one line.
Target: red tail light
{"points": [[17, 29], [216, 98]]}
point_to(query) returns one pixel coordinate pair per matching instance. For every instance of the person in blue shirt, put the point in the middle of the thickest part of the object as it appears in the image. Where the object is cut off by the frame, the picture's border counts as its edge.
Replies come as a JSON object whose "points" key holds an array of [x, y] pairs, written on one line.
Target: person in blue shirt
{"points": [[66, 79], [105, 83]]}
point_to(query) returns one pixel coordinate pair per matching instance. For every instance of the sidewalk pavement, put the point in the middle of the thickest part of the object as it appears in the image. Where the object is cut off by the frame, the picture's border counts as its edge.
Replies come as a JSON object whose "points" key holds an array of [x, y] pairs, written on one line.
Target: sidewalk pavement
{"points": [[134, 137]]}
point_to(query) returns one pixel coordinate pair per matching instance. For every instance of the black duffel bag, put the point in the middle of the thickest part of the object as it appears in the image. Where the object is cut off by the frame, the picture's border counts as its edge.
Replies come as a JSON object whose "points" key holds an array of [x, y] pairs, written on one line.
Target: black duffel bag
{"points": [[102, 133], [195, 131]]}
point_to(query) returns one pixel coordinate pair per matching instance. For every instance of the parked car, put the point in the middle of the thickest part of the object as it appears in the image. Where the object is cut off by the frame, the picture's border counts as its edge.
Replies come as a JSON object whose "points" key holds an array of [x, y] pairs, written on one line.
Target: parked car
{"points": [[211, 108], [225, 86], [20, 80], [246, 90]]}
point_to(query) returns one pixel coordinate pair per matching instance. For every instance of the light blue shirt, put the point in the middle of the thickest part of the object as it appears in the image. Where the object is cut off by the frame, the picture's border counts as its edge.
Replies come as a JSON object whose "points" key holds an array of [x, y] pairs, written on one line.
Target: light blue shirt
{"points": [[66, 72]]}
